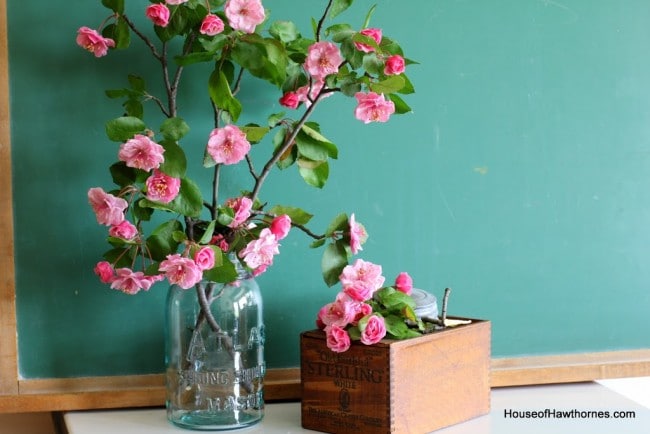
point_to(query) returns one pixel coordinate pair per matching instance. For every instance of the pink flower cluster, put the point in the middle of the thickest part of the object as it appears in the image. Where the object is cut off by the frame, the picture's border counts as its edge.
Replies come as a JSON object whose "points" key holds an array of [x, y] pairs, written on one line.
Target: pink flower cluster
{"points": [[179, 270], [243, 15], [324, 58], [228, 145], [258, 254], [92, 41], [359, 283]]}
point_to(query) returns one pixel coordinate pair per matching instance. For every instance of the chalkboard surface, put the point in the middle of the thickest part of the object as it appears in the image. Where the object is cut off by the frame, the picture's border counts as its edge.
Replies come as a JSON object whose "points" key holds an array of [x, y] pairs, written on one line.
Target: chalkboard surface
{"points": [[520, 180]]}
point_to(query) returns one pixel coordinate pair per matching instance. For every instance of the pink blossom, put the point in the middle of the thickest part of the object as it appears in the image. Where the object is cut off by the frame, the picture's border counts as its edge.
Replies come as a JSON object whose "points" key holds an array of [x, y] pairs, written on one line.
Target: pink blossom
{"points": [[260, 270], [373, 107], [242, 207], [220, 241], [175, 2], [125, 230], [375, 34], [211, 25], [131, 282], [361, 309], [162, 187], [394, 65], [260, 252], [358, 235], [141, 152], [158, 13], [340, 312], [244, 15], [361, 279], [228, 145], [338, 340], [181, 271], [404, 283], [92, 41], [307, 95], [280, 226], [105, 272], [373, 331], [290, 100], [204, 258], [323, 59], [109, 209]]}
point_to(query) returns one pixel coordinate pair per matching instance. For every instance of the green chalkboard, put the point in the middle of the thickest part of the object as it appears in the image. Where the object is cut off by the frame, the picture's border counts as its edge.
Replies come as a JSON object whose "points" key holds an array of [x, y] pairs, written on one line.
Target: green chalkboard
{"points": [[521, 180]]}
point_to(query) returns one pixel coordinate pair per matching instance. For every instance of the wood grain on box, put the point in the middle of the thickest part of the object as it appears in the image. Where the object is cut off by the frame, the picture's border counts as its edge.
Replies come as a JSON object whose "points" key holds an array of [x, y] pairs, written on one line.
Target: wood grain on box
{"points": [[408, 386]]}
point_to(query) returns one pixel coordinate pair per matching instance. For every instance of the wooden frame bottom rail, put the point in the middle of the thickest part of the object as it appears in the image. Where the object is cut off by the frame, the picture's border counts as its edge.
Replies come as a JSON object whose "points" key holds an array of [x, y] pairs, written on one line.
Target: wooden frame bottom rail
{"points": [[284, 384]]}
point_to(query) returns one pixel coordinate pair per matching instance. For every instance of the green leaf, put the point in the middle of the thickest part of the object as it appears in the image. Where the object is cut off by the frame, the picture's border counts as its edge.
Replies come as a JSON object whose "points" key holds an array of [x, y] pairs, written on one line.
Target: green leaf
{"points": [[264, 58], [179, 236], [354, 333], [338, 6], [141, 213], [408, 86], [392, 84], [275, 119], [134, 107], [124, 128], [225, 216], [174, 128], [297, 215], [219, 90], [255, 133], [311, 141], [400, 106], [119, 33], [207, 235], [214, 44], [340, 32], [161, 242], [122, 174], [315, 173], [116, 6], [137, 83], [335, 258], [192, 58], [394, 300], [224, 272], [397, 328], [339, 223], [366, 40], [318, 243], [188, 202], [289, 157], [175, 163], [285, 31], [366, 22], [119, 257]]}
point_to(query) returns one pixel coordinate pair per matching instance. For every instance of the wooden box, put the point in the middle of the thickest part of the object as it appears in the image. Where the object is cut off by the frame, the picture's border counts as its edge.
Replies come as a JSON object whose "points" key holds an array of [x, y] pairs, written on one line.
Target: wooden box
{"points": [[396, 386]]}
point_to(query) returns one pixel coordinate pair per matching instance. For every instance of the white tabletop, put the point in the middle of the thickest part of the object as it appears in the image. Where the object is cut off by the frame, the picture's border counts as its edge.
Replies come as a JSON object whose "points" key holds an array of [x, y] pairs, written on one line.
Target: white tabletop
{"points": [[579, 400]]}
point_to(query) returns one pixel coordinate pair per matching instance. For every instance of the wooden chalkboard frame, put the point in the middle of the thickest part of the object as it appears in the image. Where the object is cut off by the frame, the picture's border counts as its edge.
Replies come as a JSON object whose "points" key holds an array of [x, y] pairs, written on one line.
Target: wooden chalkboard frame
{"points": [[57, 394]]}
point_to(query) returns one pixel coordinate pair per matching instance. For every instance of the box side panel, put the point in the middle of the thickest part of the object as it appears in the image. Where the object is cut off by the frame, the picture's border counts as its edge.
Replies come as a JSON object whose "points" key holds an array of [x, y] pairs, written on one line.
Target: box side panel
{"points": [[347, 392], [441, 380]]}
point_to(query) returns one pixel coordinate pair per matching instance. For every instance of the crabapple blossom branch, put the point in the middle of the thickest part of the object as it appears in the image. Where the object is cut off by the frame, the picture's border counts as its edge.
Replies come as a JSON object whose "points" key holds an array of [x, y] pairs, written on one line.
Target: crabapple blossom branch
{"points": [[295, 225], [205, 308], [445, 300], [146, 40], [237, 86], [322, 20], [288, 142], [251, 169], [215, 191]]}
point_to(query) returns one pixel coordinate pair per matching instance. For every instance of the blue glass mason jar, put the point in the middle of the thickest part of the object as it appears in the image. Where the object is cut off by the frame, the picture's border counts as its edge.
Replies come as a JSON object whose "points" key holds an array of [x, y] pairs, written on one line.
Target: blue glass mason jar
{"points": [[214, 355]]}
